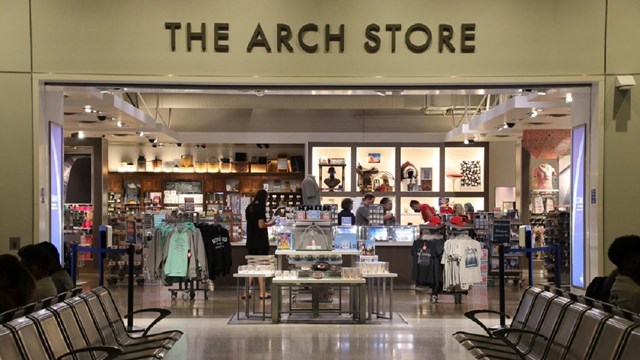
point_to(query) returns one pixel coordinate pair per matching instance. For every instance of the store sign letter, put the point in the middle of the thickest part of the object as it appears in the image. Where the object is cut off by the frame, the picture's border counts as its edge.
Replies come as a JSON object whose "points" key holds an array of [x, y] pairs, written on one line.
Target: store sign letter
{"points": [[312, 38]]}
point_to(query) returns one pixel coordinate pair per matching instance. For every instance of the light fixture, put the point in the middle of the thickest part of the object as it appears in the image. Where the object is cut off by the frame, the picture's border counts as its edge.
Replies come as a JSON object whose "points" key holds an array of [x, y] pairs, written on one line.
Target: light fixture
{"points": [[625, 82], [533, 113], [141, 133], [542, 92], [381, 93], [260, 92], [120, 123], [80, 134], [468, 141], [88, 109], [568, 99]]}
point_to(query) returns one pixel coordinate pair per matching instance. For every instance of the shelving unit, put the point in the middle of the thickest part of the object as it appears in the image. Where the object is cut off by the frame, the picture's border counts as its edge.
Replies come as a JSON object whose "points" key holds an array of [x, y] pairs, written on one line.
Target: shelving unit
{"points": [[430, 162], [557, 231], [514, 263]]}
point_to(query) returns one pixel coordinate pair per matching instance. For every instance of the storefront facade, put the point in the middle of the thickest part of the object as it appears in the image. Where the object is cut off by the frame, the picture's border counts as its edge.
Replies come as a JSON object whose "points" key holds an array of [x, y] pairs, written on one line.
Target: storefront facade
{"points": [[291, 43]]}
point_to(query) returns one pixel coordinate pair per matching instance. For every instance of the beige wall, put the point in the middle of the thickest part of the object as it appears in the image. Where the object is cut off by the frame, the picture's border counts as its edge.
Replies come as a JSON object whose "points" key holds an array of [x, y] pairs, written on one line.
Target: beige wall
{"points": [[516, 41], [14, 36], [621, 163], [16, 145], [502, 168], [621, 125], [517, 38], [16, 120]]}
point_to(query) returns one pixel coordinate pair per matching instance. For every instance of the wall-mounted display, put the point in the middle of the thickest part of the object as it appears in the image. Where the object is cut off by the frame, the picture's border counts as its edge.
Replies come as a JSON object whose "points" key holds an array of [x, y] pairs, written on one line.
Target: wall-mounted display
{"points": [[425, 165], [373, 158], [471, 174], [464, 169], [338, 158]]}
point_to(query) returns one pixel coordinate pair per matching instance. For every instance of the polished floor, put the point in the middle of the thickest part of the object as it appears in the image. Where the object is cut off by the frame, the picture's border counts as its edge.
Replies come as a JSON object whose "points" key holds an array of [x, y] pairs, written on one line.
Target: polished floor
{"points": [[420, 329]]}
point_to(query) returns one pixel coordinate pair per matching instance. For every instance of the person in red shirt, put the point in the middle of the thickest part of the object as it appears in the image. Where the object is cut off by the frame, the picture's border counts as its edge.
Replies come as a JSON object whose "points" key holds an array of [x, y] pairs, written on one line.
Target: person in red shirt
{"points": [[427, 212]]}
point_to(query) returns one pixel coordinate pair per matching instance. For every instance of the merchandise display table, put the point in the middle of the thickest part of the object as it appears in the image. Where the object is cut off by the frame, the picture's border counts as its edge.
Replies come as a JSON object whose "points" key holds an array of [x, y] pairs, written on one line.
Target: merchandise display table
{"points": [[249, 296], [376, 302], [357, 303]]}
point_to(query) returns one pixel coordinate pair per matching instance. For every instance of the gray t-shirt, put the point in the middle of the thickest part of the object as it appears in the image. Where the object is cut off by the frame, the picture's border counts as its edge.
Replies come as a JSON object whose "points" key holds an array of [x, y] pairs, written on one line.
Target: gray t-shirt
{"points": [[44, 288], [62, 281], [625, 293], [362, 215]]}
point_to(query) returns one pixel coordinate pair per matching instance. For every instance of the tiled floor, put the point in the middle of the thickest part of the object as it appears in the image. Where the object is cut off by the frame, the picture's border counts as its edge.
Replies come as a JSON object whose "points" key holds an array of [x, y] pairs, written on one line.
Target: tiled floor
{"points": [[425, 332]]}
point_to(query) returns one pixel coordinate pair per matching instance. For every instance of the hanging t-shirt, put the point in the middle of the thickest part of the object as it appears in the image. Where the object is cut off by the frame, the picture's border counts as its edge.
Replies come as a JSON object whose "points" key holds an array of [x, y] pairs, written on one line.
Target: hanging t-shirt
{"points": [[462, 258], [177, 262]]}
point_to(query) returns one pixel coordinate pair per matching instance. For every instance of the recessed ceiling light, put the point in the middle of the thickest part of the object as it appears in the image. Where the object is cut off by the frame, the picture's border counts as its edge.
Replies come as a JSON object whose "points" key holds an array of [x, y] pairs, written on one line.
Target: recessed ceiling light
{"points": [[88, 109], [120, 123]]}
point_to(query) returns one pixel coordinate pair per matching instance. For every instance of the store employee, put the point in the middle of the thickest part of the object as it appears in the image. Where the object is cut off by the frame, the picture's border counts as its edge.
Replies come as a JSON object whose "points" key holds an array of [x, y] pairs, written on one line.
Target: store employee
{"points": [[362, 215]]}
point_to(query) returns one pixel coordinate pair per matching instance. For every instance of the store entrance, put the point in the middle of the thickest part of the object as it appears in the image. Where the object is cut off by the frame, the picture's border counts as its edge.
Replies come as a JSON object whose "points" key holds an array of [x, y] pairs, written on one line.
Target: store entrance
{"points": [[239, 140]]}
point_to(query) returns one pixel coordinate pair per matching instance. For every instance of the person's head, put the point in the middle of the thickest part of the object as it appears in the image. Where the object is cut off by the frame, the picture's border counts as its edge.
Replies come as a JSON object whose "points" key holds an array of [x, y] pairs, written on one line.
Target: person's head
{"points": [[14, 276], [54, 255], [368, 199], [346, 204], [36, 260], [386, 203], [261, 197], [624, 252], [415, 205]]}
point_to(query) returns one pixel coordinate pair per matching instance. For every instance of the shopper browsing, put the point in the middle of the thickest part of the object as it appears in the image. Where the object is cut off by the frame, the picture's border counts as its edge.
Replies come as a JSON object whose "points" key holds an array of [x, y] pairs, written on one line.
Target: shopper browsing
{"points": [[36, 260], [362, 215], [388, 218], [428, 213], [624, 252], [345, 216], [257, 233]]}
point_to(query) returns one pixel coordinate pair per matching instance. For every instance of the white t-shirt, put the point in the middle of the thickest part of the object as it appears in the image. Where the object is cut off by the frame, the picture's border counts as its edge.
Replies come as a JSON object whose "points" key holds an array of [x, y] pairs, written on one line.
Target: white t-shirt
{"points": [[461, 259]]}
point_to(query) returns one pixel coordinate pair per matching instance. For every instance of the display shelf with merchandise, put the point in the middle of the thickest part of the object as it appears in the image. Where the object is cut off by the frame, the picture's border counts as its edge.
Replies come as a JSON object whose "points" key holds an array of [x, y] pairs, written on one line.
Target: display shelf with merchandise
{"points": [[514, 264]]}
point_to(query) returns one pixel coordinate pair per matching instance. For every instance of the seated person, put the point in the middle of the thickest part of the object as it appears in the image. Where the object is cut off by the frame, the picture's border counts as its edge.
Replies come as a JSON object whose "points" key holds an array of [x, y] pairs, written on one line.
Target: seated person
{"points": [[16, 283], [37, 261], [624, 252], [60, 276]]}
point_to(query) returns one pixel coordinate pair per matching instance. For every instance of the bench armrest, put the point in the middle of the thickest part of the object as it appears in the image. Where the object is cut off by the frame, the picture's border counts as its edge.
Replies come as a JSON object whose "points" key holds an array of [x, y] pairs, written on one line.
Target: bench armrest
{"points": [[111, 351], [162, 313], [502, 335], [472, 316]]}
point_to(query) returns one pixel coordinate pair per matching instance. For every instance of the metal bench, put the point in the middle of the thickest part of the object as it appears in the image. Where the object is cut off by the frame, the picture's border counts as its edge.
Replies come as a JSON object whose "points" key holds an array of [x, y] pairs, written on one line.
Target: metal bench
{"points": [[87, 326], [565, 330]]}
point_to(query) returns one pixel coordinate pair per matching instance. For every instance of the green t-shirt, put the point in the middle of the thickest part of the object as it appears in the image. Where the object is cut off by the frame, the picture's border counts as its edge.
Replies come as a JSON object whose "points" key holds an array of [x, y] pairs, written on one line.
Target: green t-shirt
{"points": [[177, 259]]}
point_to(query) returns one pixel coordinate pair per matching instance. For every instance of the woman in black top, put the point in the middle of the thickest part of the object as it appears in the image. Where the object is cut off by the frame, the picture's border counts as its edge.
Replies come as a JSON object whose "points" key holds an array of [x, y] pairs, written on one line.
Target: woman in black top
{"points": [[346, 205], [257, 233]]}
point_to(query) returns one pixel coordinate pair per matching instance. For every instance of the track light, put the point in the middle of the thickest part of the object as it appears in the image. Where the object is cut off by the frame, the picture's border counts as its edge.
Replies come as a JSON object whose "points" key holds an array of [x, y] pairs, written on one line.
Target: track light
{"points": [[88, 109], [533, 113], [179, 144], [141, 133], [80, 134], [120, 123]]}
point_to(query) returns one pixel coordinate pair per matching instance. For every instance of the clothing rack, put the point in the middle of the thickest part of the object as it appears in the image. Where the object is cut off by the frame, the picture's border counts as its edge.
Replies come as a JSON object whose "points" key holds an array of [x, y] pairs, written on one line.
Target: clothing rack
{"points": [[180, 238], [431, 243]]}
